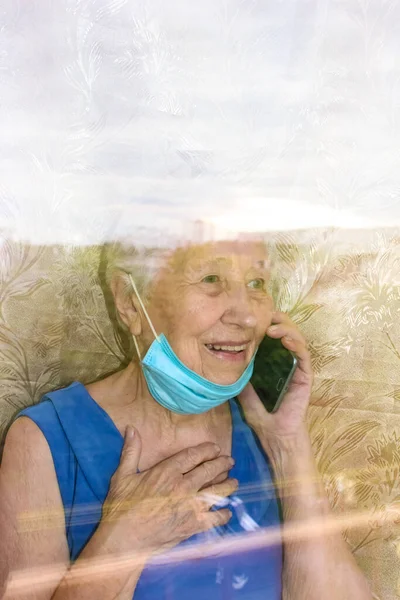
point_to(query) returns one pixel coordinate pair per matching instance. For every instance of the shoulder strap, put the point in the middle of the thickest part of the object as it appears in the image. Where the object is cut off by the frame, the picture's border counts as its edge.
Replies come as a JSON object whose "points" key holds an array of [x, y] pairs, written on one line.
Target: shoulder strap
{"points": [[46, 418], [93, 438], [254, 467]]}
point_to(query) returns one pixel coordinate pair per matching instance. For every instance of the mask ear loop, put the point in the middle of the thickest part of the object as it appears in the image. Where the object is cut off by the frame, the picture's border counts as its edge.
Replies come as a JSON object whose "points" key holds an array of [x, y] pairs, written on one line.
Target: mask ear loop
{"points": [[146, 315], [137, 347]]}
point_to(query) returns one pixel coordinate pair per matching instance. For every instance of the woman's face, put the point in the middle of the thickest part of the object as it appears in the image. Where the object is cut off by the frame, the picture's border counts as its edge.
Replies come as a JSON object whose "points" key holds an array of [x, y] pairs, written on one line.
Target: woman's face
{"points": [[211, 303]]}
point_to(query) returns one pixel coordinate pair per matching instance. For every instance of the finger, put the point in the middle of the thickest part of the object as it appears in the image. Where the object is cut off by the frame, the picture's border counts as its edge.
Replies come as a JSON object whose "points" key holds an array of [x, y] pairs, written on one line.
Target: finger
{"points": [[253, 408], [207, 472], [302, 353], [293, 340], [131, 451], [222, 477], [297, 346], [189, 458], [214, 494], [286, 329], [215, 518], [280, 317]]}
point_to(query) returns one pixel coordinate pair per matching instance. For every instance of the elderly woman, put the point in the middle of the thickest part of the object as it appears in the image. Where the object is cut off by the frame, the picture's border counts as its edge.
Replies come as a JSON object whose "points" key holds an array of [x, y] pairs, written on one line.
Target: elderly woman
{"points": [[156, 482]]}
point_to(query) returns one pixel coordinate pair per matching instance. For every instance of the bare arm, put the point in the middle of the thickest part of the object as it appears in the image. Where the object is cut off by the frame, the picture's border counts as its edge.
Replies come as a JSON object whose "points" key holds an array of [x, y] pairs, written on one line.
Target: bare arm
{"points": [[144, 513], [318, 564], [32, 532], [32, 527], [102, 572]]}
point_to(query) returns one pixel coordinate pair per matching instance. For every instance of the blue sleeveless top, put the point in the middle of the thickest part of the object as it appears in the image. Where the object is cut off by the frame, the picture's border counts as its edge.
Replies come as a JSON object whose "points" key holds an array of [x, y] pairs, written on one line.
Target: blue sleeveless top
{"points": [[86, 447]]}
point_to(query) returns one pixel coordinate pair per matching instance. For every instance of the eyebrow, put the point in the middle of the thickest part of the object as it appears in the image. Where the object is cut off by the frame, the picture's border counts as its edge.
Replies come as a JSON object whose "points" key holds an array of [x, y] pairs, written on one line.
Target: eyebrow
{"points": [[263, 264]]}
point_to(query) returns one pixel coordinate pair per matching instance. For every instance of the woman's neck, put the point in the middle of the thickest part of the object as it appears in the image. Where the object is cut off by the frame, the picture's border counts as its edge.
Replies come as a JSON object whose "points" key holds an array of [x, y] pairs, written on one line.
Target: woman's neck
{"points": [[126, 398]]}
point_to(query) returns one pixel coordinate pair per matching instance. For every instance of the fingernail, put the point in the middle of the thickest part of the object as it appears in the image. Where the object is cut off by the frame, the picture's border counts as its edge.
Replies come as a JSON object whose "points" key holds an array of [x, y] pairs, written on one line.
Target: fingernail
{"points": [[129, 433], [217, 448], [232, 461], [288, 339], [273, 328]]}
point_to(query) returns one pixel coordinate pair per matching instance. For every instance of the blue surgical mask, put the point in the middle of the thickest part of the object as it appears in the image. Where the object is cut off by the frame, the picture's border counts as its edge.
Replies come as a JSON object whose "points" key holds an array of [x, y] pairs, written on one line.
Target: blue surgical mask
{"points": [[174, 385]]}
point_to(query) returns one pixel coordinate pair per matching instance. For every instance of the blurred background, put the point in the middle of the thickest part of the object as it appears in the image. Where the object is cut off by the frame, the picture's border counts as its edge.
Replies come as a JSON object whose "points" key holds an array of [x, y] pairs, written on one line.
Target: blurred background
{"points": [[162, 122]]}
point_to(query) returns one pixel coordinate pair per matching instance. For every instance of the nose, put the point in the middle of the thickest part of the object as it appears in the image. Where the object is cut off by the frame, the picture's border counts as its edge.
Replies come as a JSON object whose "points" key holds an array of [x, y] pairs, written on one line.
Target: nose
{"points": [[239, 310]]}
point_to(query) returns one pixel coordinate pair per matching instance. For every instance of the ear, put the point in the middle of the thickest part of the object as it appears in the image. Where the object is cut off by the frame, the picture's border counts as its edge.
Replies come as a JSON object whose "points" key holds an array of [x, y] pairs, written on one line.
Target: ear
{"points": [[126, 302]]}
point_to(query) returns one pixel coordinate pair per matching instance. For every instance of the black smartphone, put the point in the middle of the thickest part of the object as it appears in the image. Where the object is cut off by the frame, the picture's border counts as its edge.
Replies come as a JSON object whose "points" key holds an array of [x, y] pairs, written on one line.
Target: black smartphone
{"points": [[274, 367]]}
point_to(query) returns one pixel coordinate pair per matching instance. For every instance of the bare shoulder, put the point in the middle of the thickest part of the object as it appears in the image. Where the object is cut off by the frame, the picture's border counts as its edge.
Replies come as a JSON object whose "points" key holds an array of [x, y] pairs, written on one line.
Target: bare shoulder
{"points": [[27, 474], [25, 443]]}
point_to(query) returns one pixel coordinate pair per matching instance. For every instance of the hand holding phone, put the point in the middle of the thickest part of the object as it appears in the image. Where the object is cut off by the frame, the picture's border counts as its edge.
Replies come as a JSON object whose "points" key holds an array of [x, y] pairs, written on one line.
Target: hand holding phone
{"points": [[274, 367]]}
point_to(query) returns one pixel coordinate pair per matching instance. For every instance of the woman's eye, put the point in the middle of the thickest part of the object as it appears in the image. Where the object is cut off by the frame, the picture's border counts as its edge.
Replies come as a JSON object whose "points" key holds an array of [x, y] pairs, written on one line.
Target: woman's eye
{"points": [[211, 279], [257, 284]]}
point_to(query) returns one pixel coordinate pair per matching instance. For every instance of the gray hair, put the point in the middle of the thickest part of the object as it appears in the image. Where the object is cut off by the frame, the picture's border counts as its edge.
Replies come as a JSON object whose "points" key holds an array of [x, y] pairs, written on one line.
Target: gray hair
{"points": [[123, 259], [140, 262]]}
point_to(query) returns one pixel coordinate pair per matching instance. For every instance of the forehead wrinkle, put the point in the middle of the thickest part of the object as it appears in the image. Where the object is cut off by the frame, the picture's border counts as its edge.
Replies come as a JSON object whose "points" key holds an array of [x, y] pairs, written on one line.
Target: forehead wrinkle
{"points": [[199, 263], [196, 257]]}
